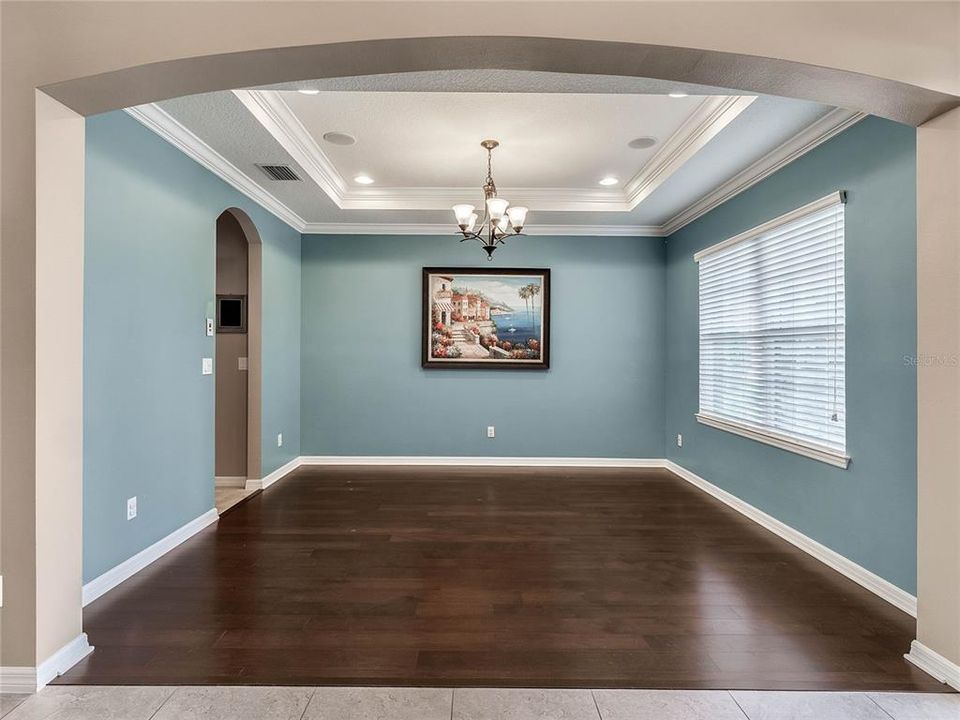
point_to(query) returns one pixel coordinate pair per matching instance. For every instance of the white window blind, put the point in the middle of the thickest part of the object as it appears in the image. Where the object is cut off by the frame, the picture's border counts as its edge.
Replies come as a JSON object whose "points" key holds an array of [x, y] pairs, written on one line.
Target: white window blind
{"points": [[772, 332]]}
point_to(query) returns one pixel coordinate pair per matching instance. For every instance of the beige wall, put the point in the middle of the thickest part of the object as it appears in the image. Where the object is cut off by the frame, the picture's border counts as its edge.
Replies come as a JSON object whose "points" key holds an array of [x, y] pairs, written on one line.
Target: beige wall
{"points": [[59, 372], [52, 43], [938, 385], [231, 382]]}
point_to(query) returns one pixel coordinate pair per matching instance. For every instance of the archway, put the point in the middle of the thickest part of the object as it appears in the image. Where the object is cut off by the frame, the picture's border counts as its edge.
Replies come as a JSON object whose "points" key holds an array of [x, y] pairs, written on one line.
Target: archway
{"points": [[237, 327], [147, 82]]}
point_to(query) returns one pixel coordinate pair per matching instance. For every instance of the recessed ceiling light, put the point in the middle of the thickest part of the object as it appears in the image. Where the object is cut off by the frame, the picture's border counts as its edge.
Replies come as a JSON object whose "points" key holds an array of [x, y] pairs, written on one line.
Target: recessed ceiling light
{"points": [[308, 91], [363, 180], [678, 94], [642, 143], [339, 138], [609, 180]]}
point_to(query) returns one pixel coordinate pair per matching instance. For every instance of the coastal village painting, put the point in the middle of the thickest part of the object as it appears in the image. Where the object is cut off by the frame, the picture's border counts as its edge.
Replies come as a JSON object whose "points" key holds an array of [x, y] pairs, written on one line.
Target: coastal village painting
{"points": [[475, 317]]}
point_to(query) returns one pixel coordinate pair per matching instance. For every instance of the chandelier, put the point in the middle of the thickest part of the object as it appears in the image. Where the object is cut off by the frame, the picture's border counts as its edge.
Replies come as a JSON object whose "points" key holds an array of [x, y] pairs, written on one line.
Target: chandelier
{"points": [[499, 219]]}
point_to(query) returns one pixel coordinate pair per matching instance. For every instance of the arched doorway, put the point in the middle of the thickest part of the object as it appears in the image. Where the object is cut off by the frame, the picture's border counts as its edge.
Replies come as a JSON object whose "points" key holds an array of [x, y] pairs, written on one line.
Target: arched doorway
{"points": [[236, 326], [197, 72]]}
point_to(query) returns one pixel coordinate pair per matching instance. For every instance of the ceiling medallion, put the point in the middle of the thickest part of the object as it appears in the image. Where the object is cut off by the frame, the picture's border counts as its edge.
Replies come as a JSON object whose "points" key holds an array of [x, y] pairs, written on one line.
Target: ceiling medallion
{"points": [[499, 219]]}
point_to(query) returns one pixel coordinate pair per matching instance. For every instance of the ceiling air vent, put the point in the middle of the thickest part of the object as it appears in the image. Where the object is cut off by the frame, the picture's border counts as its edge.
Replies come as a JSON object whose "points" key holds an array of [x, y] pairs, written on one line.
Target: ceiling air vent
{"points": [[279, 172]]}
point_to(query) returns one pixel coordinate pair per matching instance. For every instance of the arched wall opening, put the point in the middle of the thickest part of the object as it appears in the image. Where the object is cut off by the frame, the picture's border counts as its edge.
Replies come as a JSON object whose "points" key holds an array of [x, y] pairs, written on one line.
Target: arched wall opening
{"points": [[47, 617], [238, 373]]}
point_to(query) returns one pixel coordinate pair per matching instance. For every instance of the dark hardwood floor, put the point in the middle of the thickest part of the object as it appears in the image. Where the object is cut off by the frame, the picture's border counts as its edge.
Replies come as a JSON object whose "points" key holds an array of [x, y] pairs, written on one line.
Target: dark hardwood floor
{"points": [[503, 577]]}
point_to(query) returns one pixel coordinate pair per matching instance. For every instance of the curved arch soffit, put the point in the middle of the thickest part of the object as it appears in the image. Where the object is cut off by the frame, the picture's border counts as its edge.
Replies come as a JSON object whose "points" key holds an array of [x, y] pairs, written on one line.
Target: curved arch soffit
{"points": [[142, 84], [247, 225]]}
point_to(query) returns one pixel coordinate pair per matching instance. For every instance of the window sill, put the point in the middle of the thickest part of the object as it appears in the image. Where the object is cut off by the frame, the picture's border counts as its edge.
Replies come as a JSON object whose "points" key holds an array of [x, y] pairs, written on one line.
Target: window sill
{"points": [[814, 452]]}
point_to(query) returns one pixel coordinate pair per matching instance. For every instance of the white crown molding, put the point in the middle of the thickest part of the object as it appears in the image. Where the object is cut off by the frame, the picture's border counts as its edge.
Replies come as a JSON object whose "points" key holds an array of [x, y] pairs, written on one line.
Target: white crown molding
{"points": [[818, 132], [163, 124], [871, 581], [130, 567], [441, 229], [826, 127], [710, 117], [935, 664]]}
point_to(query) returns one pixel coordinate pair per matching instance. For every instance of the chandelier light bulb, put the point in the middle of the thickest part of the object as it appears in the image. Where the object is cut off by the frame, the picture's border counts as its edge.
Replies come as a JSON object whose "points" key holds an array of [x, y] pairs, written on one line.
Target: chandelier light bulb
{"points": [[464, 213], [496, 207], [518, 216]]}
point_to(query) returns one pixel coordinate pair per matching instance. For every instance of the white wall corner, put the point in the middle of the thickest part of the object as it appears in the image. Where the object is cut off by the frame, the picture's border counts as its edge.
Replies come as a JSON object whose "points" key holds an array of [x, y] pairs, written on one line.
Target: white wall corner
{"points": [[934, 664], [116, 575], [62, 660]]}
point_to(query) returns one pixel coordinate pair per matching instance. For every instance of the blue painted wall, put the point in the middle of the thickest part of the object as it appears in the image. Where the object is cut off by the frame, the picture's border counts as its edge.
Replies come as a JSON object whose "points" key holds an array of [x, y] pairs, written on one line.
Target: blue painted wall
{"points": [[364, 392], [867, 512], [149, 283]]}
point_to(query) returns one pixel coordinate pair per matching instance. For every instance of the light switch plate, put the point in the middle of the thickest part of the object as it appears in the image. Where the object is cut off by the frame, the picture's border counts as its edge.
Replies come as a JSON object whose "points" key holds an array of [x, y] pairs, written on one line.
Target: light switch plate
{"points": [[491, 431], [131, 508], [207, 367], [241, 363], [279, 439], [209, 327]]}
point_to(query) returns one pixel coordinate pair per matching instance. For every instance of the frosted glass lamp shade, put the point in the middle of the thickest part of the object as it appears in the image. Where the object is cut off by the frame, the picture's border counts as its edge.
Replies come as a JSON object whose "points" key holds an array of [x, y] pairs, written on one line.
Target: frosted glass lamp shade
{"points": [[463, 213], [473, 222], [503, 224], [518, 216], [496, 207]]}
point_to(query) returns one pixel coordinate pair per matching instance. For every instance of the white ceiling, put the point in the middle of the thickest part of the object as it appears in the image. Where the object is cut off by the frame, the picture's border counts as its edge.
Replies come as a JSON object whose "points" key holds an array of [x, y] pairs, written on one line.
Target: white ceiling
{"points": [[547, 140], [418, 136]]}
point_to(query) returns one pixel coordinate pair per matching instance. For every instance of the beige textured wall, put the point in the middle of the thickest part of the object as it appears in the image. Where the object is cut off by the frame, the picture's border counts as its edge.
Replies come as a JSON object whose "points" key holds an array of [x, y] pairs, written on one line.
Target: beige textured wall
{"points": [[46, 43], [938, 385]]}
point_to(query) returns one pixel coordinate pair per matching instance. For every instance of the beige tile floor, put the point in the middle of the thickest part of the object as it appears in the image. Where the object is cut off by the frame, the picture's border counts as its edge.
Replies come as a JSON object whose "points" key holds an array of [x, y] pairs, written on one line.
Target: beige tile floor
{"points": [[226, 497], [64, 702]]}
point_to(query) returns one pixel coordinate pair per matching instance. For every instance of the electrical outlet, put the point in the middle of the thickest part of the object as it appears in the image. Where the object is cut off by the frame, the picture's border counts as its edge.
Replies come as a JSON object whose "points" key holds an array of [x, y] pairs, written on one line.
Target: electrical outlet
{"points": [[206, 367], [1, 591], [131, 508], [491, 431], [679, 440], [279, 439]]}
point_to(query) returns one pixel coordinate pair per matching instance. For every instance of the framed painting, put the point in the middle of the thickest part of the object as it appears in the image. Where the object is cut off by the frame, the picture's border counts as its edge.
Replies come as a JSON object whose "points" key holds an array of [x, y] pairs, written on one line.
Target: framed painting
{"points": [[486, 318]]}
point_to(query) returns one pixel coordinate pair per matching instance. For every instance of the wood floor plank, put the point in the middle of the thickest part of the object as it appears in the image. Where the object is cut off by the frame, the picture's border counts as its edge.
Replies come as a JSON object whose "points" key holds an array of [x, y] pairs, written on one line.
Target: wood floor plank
{"points": [[494, 576]]}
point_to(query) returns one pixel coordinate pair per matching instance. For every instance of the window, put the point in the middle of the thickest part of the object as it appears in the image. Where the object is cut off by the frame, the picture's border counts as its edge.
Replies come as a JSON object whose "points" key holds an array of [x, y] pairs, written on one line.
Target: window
{"points": [[772, 333]]}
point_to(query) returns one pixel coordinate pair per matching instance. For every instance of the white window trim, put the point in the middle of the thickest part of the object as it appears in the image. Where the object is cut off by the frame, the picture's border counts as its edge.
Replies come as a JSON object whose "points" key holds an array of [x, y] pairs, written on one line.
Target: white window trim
{"points": [[809, 450], [763, 435]]}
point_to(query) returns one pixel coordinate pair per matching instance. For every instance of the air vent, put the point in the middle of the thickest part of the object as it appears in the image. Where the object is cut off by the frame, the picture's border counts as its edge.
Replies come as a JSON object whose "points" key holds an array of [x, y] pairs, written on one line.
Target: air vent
{"points": [[279, 172]]}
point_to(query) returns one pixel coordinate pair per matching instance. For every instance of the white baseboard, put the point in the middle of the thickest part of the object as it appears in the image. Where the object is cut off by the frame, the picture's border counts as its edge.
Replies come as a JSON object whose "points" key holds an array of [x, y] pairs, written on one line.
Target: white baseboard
{"points": [[270, 479], [113, 577], [62, 660], [860, 575], [18, 680], [27, 680], [475, 461], [230, 481], [935, 664]]}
